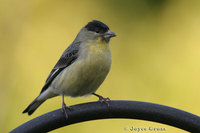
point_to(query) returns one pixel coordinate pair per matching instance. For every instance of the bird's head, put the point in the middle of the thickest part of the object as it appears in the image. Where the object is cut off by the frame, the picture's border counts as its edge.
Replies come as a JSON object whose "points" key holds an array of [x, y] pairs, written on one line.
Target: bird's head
{"points": [[96, 30]]}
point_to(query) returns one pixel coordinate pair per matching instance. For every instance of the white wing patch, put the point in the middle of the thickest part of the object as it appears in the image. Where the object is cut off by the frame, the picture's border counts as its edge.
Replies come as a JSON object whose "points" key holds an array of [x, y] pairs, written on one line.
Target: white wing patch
{"points": [[54, 72]]}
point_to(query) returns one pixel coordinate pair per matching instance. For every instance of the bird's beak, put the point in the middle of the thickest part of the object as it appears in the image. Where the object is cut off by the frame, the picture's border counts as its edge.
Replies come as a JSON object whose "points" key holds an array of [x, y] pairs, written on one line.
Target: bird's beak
{"points": [[109, 34]]}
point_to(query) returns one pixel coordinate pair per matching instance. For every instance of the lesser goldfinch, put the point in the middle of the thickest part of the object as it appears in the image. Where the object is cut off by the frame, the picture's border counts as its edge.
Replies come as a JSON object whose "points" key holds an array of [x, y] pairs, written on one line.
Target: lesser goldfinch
{"points": [[82, 67]]}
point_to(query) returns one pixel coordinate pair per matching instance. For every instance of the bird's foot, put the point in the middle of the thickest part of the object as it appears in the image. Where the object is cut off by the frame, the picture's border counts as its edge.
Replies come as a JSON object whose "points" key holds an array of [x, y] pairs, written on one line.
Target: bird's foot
{"points": [[64, 110], [102, 99]]}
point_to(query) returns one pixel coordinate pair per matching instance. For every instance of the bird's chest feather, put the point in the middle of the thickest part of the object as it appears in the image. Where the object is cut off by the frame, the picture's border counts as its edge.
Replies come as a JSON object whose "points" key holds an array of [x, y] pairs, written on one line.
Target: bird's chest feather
{"points": [[96, 59]]}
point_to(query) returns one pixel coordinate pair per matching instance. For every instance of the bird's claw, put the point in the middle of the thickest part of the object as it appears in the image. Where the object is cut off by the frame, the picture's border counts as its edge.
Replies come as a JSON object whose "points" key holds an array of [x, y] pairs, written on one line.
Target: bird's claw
{"points": [[104, 100], [64, 110]]}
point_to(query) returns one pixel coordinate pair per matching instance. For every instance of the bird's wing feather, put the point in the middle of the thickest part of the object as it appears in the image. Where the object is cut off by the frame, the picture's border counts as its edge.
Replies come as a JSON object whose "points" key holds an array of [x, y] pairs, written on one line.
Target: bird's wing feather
{"points": [[67, 58]]}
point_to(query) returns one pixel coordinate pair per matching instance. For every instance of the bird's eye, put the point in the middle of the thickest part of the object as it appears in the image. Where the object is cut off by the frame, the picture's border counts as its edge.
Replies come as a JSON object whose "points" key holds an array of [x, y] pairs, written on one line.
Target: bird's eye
{"points": [[97, 30]]}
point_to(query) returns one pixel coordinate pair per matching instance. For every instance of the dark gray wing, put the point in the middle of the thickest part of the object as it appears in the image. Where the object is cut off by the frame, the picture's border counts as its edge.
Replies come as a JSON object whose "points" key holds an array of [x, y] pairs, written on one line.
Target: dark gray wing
{"points": [[67, 58]]}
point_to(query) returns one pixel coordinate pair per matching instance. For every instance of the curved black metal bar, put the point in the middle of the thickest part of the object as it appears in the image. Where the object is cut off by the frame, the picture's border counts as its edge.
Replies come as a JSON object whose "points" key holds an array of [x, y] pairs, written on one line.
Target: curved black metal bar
{"points": [[118, 109]]}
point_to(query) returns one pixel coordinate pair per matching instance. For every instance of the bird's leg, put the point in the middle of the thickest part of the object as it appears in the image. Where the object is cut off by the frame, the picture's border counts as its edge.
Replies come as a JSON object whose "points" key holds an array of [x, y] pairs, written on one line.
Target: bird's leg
{"points": [[102, 99], [64, 107]]}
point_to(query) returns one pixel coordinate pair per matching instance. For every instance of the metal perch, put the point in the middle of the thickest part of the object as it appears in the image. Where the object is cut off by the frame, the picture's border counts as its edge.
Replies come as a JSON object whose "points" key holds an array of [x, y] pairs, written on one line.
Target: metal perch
{"points": [[117, 109]]}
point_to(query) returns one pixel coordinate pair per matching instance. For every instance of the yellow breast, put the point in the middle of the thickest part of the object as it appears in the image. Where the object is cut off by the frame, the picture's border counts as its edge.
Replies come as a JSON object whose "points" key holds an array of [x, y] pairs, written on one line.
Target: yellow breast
{"points": [[96, 54]]}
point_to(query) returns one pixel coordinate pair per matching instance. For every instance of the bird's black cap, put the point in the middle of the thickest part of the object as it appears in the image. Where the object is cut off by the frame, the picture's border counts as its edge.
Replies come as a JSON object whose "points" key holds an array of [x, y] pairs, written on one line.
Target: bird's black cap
{"points": [[97, 26]]}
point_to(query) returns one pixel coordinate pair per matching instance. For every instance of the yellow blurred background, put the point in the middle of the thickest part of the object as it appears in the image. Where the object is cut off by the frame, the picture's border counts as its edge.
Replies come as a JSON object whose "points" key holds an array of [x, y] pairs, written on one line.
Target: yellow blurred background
{"points": [[156, 55]]}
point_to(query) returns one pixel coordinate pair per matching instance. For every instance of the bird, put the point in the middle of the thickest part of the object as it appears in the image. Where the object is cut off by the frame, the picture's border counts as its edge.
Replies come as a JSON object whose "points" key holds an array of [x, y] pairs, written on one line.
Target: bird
{"points": [[81, 69]]}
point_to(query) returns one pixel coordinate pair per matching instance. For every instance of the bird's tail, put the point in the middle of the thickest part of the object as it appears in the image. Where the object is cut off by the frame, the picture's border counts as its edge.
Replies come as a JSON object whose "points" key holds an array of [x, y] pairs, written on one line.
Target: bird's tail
{"points": [[34, 105]]}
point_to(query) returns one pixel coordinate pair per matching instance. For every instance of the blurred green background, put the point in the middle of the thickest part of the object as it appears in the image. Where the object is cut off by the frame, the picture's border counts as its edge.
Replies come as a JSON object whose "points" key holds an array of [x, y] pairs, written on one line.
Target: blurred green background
{"points": [[156, 55]]}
